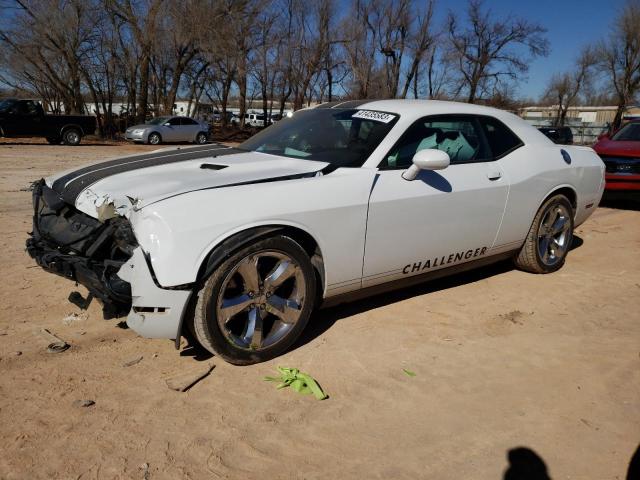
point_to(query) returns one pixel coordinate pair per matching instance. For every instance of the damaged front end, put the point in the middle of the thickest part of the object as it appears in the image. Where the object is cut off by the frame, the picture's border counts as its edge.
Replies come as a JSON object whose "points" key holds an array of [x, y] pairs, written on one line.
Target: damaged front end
{"points": [[76, 246]]}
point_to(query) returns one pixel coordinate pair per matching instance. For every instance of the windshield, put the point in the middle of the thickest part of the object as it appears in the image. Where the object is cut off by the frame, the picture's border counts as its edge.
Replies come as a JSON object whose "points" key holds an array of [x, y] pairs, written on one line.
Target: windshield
{"points": [[6, 104], [629, 133], [342, 137], [158, 121]]}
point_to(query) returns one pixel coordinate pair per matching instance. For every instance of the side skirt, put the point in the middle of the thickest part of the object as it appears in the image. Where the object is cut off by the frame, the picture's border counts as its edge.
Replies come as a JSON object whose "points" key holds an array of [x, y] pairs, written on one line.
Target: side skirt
{"points": [[413, 280]]}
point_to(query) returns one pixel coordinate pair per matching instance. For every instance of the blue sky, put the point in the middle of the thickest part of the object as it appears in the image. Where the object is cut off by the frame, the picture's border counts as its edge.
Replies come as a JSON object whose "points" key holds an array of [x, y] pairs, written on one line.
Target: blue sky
{"points": [[571, 24]]}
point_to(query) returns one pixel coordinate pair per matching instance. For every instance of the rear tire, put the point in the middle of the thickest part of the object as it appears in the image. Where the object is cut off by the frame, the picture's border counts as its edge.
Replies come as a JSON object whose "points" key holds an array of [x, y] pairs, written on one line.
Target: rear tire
{"points": [[201, 138], [256, 303], [549, 238], [71, 137], [154, 139]]}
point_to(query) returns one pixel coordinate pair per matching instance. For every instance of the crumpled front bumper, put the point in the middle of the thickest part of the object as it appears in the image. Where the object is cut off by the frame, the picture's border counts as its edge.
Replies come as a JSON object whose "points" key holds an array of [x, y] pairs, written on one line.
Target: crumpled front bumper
{"points": [[155, 312], [98, 277], [106, 259]]}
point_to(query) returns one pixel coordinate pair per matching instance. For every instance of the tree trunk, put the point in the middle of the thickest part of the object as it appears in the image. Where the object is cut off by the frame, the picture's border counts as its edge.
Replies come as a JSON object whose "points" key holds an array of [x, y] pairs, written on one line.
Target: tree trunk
{"points": [[144, 88], [242, 87], [617, 120]]}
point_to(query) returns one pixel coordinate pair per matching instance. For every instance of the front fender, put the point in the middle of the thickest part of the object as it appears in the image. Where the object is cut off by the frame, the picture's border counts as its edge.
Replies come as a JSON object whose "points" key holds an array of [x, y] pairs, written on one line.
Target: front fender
{"points": [[180, 232]]}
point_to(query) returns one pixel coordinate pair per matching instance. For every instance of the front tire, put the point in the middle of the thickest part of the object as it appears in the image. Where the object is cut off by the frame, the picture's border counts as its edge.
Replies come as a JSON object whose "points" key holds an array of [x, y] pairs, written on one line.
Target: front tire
{"points": [[257, 302], [72, 137], [154, 139], [201, 138], [549, 238]]}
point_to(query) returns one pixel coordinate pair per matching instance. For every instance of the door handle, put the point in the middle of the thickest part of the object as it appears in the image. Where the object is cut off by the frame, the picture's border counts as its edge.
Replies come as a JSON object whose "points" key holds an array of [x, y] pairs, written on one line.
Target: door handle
{"points": [[494, 175]]}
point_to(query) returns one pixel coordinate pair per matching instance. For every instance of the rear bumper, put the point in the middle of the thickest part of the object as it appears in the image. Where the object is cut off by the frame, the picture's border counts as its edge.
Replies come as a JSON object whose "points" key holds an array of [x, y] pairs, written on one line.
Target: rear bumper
{"points": [[622, 181]]}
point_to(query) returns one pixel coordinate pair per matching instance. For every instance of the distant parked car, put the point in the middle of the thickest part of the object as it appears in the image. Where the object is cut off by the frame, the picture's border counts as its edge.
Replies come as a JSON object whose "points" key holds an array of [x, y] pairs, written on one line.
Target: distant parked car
{"points": [[26, 118], [620, 153], [250, 120], [560, 135], [169, 129], [217, 117]]}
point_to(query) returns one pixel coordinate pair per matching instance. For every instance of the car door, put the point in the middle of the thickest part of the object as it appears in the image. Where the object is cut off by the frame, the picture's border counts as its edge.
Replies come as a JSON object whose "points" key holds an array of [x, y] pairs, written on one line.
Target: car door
{"points": [[25, 120], [188, 129], [171, 132], [442, 218]]}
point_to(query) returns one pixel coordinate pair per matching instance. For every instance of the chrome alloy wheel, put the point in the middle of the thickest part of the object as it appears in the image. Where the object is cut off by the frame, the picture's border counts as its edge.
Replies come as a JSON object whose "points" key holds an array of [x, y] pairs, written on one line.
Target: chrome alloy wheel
{"points": [[554, 234], [260, 300]]}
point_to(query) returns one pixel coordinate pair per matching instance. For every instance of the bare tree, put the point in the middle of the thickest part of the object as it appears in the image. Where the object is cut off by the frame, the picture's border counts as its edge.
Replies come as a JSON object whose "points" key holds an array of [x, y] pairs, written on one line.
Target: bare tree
{"points": [[482, 49], [263, 59], [565, 88], [52, 43], [620, 57], [180, 46], [312, 41], [360, 47], [405, 36], [387, 44], [142, 19], [421, 42], [241, 15]]}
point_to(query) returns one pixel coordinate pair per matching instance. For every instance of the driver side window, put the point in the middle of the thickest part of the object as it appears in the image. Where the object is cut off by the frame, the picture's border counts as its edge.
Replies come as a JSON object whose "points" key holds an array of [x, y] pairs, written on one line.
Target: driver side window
{"points": [[459, 136]]}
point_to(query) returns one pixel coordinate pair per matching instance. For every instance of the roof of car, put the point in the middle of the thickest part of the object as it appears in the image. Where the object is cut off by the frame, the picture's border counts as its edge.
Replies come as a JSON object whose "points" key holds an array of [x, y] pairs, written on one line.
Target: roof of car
{"points": [[403, 106], [411, 110]]}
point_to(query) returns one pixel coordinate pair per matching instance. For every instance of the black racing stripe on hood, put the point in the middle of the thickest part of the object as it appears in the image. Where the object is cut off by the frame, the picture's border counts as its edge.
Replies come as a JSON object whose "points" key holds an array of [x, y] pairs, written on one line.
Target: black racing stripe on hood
{"points": [[327, 169], [71, 185], [59, 184]]}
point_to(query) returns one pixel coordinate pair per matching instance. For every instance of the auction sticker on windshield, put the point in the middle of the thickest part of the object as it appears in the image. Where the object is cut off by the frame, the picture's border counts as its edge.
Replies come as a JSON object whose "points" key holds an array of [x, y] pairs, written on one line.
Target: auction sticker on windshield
{"points": [[371, 115]]}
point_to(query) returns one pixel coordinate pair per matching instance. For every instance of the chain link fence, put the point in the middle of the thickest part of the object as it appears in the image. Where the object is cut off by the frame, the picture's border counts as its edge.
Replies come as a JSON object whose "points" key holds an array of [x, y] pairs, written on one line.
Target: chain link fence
{"points": [[583, 133]]}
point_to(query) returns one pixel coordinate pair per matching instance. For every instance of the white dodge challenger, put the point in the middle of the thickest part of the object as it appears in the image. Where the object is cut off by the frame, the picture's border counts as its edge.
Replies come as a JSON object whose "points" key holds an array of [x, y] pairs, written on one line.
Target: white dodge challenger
{"points": [[347, 199]]}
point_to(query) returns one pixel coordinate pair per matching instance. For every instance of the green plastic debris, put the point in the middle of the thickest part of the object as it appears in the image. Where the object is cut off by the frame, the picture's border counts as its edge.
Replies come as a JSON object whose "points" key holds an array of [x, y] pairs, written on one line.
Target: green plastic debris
{"points": [[298, 381], [409, 373]]}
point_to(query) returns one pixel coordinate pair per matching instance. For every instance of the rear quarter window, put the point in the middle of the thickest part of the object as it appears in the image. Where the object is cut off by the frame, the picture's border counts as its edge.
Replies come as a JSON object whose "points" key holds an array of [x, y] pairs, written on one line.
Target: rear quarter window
{"points": [[501, 139]]}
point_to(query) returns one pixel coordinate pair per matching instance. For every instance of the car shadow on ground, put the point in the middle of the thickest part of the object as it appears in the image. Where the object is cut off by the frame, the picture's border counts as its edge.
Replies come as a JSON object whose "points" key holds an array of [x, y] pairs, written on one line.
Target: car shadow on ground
{"points": [[323, 320]]}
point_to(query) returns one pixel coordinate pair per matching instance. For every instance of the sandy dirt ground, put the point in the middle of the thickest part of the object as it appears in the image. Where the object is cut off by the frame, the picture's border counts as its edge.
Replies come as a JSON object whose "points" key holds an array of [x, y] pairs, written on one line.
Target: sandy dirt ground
{"points": [[503, 359]]}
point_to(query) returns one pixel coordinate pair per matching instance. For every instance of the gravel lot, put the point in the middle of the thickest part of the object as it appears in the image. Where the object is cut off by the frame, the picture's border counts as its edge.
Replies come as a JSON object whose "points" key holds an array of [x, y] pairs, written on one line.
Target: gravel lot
{"points": [[503, 359]]}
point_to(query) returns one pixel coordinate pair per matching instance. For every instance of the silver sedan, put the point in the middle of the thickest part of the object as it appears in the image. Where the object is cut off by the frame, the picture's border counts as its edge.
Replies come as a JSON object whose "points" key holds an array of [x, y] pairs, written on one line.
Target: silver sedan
{"points": [[169, 129]]}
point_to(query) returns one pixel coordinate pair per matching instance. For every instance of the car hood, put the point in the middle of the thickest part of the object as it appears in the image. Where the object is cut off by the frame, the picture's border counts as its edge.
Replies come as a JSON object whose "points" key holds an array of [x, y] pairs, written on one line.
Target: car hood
{"points": [[617, 148], [119, 186]]}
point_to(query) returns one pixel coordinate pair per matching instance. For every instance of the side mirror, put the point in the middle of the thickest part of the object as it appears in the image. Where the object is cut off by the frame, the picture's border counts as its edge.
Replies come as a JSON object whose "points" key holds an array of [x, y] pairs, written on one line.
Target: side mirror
{"points": [[428, 159]]}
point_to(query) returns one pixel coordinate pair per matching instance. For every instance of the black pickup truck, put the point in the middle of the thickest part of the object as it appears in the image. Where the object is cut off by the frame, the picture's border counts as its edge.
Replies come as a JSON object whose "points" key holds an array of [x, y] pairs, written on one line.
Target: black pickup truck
{"points": [[26, 118]]}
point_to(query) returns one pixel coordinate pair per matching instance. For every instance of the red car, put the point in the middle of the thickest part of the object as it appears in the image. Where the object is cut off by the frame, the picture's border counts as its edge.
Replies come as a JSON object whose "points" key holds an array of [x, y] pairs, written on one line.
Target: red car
{"points": [[620, 153]]}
